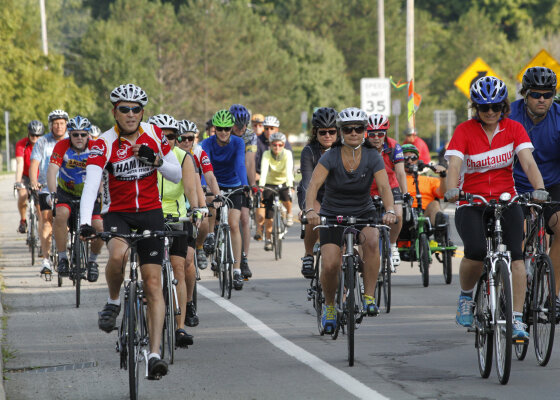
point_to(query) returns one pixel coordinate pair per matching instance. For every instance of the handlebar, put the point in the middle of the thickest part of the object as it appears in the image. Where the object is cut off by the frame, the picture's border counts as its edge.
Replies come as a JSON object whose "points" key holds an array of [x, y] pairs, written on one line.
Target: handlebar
{"points": [[345, 221], [134, 237]]}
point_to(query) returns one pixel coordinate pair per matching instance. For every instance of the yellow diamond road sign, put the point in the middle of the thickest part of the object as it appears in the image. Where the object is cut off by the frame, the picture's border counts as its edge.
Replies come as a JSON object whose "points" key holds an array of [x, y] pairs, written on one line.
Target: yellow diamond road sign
{"points": [[542, 59], [476, 70]]}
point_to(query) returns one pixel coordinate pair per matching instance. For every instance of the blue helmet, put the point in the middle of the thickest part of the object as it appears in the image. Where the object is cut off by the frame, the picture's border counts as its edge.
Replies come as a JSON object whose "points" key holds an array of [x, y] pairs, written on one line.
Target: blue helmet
{"points": [[241, 114], [488, 90], [79, 123]]}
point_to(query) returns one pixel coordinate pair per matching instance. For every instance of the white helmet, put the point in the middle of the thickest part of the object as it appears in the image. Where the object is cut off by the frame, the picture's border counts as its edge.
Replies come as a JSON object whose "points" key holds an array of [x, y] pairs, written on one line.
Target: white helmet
{"points": [[351, 115], [58, 114], [271, 120], [187, 126], [129, 92], [164, 121], [277, 137]]}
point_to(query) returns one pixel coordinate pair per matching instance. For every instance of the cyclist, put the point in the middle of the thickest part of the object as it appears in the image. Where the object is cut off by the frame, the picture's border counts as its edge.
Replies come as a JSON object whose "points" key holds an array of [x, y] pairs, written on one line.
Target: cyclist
{"points": [[24, 147], [277, 172], [271, 125], [40, 159], [541, 118], [413, 138], [128, 156], [323, 135], [257, 124], [392, 153], [480, 156], [432, 189], [227, 153], [347, 172], [65, 180], [173, 203], [210, 130], [240, 129]]}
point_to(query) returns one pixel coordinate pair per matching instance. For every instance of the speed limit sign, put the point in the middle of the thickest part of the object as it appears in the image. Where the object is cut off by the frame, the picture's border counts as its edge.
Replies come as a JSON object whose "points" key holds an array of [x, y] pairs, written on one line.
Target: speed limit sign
{"points": [[376, 95]]}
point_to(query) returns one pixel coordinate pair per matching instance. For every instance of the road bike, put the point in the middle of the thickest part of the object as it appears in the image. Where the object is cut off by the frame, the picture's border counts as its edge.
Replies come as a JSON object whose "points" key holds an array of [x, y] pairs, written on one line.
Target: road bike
{"points": [[539, 309], [278, 222], [493, 308], [383, 286], [349, 297], [79, 251]]}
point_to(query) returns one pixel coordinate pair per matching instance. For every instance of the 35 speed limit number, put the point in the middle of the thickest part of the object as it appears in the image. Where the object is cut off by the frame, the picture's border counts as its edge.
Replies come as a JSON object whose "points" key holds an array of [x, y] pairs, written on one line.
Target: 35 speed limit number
{"points": [[376, 95]]}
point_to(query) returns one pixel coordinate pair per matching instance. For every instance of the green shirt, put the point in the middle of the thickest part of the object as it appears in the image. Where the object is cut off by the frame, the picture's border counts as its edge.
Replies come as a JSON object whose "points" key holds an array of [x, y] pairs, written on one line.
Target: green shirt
{"points": [[173, 194]]}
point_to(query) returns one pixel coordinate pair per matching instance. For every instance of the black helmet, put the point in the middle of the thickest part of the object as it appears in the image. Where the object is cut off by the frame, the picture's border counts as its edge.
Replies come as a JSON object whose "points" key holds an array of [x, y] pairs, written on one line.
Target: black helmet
{"points": [[540, 78], [324, 117], [36, 128]]}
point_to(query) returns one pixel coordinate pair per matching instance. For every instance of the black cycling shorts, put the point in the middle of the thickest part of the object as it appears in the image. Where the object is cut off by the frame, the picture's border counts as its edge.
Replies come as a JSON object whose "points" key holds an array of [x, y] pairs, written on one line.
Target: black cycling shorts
{"points": [[150, 250], [268, 198], [64, 199], [550, 210], [471, 226], [43, 205], [237, 199], [336, 235], [179, 245]]}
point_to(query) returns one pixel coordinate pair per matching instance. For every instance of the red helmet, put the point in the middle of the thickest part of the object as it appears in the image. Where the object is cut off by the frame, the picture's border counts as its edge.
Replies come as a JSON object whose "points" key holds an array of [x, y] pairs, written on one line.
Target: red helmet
{"points": [[378, 122]]}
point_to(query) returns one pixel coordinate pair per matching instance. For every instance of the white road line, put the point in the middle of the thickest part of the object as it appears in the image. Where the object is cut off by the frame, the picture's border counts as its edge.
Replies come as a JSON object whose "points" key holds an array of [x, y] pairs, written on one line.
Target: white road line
{"points": [[342, 379]]}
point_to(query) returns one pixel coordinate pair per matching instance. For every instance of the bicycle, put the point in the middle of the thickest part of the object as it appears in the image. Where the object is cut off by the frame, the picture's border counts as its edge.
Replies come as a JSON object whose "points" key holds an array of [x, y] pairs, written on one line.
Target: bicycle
{"points": [[133, 339], [493, 308], [223, 257], [539, 309], [315, 290], [418, 233], [32, 241], [348, 300], [79, 251], [278, 222], [383, 286]]}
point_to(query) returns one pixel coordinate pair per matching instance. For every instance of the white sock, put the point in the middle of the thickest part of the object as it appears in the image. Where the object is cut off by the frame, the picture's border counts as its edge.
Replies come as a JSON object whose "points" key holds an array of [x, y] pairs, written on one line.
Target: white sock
{"points": [[115, 302], [154, 355], [238, 270], [93, 257], [62, 254]]}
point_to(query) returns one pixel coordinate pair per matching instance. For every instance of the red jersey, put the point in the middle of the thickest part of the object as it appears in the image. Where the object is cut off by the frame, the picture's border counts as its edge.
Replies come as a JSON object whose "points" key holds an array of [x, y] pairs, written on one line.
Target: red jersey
{"points": [[201, 160], [388, 153], [423, 150], [128, 185], [487, 167], [23, 149]]}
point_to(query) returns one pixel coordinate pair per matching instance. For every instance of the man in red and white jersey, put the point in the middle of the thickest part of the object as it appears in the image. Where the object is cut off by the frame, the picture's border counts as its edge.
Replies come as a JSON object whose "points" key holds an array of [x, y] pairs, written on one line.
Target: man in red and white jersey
{"points": [[129, 155]]}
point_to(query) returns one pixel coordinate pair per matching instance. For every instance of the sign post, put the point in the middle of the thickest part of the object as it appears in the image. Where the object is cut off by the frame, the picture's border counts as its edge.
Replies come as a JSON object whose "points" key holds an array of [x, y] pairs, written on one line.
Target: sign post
{"points": [[6, 123], [376, 96]]}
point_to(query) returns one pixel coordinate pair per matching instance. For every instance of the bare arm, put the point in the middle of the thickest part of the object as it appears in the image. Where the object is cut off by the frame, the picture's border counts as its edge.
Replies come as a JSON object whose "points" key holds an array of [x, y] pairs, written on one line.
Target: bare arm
{"points": [[52, 171], [401, 177], [319, 176], [453, 171], [19, 168], [212, 182], [189, 182], [33, 170], [250, 166], [531, 169]]}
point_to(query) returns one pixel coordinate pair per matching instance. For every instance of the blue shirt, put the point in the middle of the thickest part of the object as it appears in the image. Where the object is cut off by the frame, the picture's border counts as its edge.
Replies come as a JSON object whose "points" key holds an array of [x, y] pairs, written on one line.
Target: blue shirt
{"points": [[545, 137], [42, 152], [228, 161]]}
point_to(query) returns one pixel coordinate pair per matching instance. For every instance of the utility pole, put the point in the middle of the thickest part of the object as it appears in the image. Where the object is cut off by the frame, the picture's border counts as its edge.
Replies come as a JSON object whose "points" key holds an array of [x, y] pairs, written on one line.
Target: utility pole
{"points": [[381, 37], [410, 50], [44, 27]]}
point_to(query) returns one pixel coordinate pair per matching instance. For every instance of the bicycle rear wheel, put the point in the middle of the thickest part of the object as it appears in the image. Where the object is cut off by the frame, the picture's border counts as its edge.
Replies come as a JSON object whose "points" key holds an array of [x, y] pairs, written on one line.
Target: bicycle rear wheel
{"points": [[279, 235], [544, 309], [484, 341], [275, 232], [383, 295], [132, 341], [168, 337], [219, 260], [424, 260], [447, 256], [229, 264], [503, 328], [318, 299], [350, 308], [520, 349], [32, 233]]}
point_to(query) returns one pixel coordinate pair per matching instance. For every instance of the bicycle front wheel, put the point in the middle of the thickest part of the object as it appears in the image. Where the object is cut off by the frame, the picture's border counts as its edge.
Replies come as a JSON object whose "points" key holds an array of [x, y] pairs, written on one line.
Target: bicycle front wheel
{"points": [[219, 260], [424, 258], [317, 289], [229, 264], [32, 233], [132, 340], [169, 319], [484, 340], [275, 232], [383, 295], [503, 323], [350, 307], [544, 309]]}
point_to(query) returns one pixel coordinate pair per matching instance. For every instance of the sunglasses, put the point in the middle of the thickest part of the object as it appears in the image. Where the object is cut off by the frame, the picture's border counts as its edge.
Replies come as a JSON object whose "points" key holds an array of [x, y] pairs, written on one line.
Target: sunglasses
{"points": [[348, 129], [126, 110], [487, 107], [269, 128], [331, 132], [411, 158], [537, 95], [220, 129], [373, 134], [185, 138], [171, 136], [80, 135], [277, 144]]}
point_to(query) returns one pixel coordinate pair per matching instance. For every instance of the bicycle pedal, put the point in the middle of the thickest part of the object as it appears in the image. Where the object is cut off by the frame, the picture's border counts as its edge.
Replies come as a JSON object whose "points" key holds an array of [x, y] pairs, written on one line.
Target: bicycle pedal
{"points": [[246, 279]]}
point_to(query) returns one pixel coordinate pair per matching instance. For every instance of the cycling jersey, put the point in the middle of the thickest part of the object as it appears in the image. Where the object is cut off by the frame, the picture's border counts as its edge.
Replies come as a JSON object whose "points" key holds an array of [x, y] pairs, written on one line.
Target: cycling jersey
{"points": [[250, 139], [24, 148], [129, 185], [228, 161], [392, 154], [172, 194], [72, 172], [428, 186], [277, 170], [42, 152], [310, 156], [423, 150], [545, 136], [487, 167], [201, 159], [263, 145]]}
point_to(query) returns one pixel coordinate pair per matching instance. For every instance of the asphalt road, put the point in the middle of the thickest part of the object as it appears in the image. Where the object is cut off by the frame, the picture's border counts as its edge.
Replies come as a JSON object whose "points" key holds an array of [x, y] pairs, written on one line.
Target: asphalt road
{"points": [[263, 344]]}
